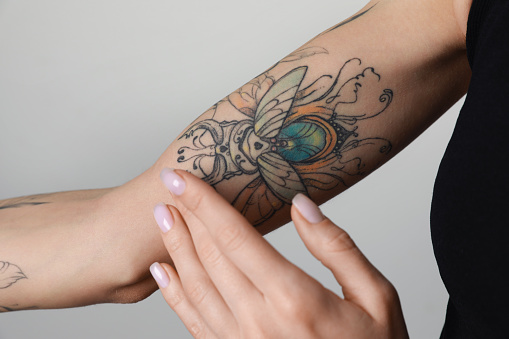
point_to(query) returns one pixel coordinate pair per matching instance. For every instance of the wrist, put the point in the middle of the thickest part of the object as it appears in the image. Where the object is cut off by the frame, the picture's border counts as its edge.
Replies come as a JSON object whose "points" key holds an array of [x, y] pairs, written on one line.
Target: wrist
{"points": [[127, 239]]}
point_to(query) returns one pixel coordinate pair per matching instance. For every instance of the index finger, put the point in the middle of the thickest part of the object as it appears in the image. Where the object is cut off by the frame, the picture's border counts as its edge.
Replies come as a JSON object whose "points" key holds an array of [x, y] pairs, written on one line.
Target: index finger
{"points": [[230, 231]]}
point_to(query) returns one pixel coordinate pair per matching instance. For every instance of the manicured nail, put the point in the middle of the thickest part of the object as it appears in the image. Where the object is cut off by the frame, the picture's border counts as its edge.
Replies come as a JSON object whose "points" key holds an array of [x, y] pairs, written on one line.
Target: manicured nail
{"points": [[173, 182], [159, 275], [307, 208], [163, 217]]}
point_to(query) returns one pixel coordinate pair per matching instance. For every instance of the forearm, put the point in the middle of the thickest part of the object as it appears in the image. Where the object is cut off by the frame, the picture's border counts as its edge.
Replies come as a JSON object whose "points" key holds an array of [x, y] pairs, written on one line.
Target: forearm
{"points": [[371, 84], [60, 250], [42, 248], [410, 67]]}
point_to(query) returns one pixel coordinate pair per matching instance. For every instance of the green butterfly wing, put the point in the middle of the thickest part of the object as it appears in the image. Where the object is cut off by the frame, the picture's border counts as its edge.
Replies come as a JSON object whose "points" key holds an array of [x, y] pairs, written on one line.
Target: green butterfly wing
{"points": [[276, 103]]}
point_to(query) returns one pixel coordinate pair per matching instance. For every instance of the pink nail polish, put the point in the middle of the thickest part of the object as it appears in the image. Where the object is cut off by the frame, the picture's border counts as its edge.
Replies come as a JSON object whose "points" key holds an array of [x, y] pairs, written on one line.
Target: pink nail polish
{"points": [[163, 217], [159, 275], [307, 208], [173, 182]]}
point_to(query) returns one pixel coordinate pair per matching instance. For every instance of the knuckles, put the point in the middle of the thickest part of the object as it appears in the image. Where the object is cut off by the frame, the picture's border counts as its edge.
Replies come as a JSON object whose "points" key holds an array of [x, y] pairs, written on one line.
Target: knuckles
{"points": [[196, 292], [194, 197], [337, 241], [388, 294], [197, 330], [302, 304], [174, 243], [174, 299], [210, 253], [232, 237]]}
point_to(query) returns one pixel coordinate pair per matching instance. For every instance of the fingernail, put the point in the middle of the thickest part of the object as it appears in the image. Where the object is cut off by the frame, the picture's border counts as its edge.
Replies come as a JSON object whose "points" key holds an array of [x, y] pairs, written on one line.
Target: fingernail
{"points": [[163, 217], [307, 208], [159, 275], [173, 182]]}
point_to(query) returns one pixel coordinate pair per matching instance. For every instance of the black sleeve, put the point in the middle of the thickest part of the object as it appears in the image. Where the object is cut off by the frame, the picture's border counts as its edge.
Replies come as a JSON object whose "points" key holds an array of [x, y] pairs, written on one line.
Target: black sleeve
{"points": [[470, 208]]}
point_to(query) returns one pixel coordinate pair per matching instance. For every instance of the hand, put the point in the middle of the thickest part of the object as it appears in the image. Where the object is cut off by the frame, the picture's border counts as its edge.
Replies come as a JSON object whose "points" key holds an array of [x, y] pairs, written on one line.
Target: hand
{"points": [[231, 283]]}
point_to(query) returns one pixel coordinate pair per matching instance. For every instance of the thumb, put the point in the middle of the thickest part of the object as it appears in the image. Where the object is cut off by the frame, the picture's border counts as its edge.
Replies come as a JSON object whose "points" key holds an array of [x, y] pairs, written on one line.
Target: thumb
{"points": [[361, 282]]}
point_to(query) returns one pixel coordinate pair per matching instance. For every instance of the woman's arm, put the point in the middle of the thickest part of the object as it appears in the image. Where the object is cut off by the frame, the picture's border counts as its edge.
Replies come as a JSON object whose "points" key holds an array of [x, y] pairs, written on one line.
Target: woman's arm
{"points": [[315, 123], [329, 113]]}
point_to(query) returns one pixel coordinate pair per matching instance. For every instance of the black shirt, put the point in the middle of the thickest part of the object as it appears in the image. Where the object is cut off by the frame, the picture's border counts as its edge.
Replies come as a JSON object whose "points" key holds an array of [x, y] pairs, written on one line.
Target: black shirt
{"points": [[470, 208]]}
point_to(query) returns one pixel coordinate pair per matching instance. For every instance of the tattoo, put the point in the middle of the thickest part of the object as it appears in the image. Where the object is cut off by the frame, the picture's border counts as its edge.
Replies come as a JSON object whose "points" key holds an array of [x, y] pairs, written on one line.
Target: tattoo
{"points": [[22, 204], [16, 307], [23, 201], [290, 138], [348, 20], [10, 274], [299, 54]]}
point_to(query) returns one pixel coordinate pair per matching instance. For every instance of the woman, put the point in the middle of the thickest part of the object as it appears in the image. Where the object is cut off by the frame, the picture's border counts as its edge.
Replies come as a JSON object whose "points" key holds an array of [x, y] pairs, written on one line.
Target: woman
{"points": [[339, 107]]}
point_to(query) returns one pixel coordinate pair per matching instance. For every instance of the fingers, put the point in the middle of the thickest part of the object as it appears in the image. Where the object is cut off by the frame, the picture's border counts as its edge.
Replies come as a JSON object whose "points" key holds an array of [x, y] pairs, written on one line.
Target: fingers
{"points": [[233, 284], [171, 288], [229, 230], [362, 283], [197, 286]]}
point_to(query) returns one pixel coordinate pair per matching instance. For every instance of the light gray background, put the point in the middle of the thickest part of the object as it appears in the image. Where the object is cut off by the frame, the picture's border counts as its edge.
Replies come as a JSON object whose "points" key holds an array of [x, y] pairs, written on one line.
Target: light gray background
{"points": [[92, 92]]}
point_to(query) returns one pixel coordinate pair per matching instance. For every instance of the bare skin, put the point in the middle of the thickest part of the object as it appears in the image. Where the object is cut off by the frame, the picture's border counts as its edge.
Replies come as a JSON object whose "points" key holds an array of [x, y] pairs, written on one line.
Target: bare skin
{"points": [[461, 10], [408, 58], [225, 286]]}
